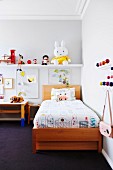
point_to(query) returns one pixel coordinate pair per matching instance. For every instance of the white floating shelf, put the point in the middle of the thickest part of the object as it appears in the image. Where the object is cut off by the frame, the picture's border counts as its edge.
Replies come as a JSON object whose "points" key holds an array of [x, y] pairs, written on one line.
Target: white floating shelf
{"points": [[42, 66]]}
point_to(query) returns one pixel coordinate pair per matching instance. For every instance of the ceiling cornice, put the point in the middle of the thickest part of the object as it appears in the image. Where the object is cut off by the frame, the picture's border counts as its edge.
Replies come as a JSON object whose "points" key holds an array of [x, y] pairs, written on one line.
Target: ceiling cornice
{"points": [[76, 14]]}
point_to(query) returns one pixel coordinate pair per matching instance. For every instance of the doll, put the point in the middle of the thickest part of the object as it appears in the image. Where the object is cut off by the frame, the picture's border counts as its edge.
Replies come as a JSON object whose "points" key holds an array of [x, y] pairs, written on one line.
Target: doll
{"points": [[45, 60]]}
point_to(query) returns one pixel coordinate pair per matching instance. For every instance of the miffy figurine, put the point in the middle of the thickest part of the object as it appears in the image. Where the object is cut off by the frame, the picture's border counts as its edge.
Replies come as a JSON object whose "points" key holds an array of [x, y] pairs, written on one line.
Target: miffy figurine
{"points": [[60, 53]]}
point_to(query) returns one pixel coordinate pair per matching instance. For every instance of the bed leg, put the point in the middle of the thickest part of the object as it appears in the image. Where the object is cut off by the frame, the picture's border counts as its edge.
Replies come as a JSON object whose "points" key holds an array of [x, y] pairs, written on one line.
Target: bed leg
{"points": [[100, 144], [33, 141]]}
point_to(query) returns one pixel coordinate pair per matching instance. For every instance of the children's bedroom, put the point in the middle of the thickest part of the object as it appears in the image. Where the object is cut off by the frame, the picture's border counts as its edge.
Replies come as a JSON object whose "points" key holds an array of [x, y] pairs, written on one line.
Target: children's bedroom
{"points": [[56, 84]]}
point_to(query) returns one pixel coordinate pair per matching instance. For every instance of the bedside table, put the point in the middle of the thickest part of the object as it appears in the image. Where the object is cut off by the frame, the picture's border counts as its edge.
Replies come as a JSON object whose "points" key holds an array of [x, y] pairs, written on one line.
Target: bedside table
{"points": [[29, 109], [10, 108]]}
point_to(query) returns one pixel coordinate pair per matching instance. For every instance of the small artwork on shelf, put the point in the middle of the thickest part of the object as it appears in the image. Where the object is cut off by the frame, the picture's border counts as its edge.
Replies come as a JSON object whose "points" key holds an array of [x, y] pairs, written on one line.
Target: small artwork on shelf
{"points": [[1, 89], [59, 76], [0, 80], [8, 83]]}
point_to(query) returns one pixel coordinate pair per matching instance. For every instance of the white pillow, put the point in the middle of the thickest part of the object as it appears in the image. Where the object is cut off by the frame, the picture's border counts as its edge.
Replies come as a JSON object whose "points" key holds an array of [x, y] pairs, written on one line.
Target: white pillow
{"points": [[72, 93], [63, 94]]}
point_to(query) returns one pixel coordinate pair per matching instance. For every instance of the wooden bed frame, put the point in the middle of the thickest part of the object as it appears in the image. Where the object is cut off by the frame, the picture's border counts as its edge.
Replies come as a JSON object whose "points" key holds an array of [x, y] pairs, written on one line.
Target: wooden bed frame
{"points": [[65, 138]]}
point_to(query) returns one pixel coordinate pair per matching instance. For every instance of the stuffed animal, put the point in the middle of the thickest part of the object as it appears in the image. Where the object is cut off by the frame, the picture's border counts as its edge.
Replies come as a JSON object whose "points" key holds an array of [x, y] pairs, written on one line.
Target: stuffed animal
{"points": [[62, 97], [60, 53], [16, 99]]}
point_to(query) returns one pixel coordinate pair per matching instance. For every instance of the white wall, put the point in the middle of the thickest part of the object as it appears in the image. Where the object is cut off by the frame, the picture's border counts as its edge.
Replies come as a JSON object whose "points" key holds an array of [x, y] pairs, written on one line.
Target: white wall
{"points": [[33, 39], [97, 34]]}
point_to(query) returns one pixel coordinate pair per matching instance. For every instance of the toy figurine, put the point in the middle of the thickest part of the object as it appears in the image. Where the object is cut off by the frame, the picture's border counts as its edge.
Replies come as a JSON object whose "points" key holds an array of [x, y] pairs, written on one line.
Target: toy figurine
{"points": [[35, 61], [61, 54], [20, 61], [45, 60]]}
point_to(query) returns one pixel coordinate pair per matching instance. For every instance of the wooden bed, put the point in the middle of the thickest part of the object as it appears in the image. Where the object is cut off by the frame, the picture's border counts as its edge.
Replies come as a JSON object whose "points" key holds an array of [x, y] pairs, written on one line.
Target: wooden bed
{"points": [[65, 138]]}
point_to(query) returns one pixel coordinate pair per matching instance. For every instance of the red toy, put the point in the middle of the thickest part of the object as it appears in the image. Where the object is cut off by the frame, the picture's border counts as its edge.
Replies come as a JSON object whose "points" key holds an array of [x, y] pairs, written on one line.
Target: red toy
{"points": [[12, 56], [28, 61]]}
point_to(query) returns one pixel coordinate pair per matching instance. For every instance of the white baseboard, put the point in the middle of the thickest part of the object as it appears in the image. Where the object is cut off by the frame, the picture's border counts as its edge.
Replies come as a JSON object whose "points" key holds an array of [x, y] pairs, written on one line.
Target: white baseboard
{"points": [[107, 158]]}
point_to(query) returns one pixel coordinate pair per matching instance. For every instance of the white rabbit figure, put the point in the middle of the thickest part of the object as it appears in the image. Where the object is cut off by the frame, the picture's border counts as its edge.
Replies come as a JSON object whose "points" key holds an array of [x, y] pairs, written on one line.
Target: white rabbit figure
{"points": [[60, 53]]}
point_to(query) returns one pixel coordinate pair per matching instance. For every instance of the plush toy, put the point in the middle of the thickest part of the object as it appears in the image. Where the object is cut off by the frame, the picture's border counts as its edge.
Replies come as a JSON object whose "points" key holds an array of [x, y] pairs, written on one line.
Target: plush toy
{"points": [[16, 99], [60, 53], [45, 60], [62, 97]]}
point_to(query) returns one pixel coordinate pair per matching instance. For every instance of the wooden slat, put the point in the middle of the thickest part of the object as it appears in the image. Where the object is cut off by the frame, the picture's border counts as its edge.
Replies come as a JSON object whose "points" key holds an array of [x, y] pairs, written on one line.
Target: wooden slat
{"points": [[67, 134], [67, 146], [10, 111]]}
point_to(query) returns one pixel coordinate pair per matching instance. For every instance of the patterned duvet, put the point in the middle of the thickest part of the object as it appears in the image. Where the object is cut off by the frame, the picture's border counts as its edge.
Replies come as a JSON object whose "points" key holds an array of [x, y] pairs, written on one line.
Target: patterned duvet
{"points": [[65, 114]]}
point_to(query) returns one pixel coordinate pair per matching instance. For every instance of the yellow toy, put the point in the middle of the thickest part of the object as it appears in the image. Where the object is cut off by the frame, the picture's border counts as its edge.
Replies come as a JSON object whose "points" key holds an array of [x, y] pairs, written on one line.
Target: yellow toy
{"points": [[61, 53]]}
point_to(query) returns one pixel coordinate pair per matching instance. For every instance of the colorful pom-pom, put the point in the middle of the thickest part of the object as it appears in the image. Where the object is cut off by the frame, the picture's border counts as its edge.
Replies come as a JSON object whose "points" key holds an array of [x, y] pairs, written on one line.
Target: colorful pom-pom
{"points": [[97, 64], [104, 83], [108, 77], [111, 84], [107, 60], [103, 62]]}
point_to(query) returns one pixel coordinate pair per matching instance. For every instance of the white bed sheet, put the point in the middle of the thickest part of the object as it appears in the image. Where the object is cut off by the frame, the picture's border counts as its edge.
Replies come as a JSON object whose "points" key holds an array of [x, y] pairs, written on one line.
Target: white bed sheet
{"points": [[65, 114]]}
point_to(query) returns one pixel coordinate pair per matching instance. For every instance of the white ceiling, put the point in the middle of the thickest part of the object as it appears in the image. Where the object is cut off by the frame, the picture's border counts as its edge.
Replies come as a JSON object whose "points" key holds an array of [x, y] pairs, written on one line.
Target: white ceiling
{"points": [[43, 9]]}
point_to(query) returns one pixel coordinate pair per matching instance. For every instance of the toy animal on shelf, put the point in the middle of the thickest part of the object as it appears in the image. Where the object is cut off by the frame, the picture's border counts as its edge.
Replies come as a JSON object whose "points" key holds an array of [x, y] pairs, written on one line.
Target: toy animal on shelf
{"points": [[61, 54], [45, 60], [16, 99]]}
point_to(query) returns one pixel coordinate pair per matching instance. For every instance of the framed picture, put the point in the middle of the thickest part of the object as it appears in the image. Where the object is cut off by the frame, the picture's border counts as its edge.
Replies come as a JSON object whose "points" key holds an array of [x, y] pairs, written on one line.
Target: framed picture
{"points": [[27, 83], [8, 83], [0, 80], [59, 76], [1, 89]]}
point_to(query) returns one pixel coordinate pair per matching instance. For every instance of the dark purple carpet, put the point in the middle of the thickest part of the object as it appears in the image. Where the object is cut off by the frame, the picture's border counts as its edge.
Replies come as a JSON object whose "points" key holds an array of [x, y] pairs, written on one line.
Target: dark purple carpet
{"points": [[16, 153]]}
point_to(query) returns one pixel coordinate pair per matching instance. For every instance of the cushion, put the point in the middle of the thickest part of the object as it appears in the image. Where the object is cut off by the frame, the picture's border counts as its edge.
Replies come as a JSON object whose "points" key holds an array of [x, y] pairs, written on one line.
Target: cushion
{"points": [[63, 94]]}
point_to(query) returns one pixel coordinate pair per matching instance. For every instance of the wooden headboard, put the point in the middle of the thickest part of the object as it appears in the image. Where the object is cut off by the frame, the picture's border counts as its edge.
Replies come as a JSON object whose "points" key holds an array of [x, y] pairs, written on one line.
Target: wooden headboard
{"points": [[46, 90]]}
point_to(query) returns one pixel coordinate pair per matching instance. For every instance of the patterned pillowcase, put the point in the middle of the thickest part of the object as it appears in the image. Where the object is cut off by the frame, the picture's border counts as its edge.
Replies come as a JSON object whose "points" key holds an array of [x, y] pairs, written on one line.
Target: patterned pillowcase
{"points": [[63, 94], [72, 93]]}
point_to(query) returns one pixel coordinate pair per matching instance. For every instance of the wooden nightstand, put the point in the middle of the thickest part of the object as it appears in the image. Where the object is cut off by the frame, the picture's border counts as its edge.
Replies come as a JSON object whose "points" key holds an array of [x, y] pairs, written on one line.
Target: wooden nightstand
{"points": [[10, 108], [29, 109]]}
